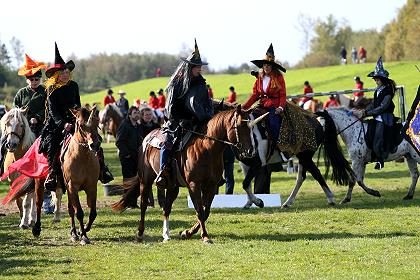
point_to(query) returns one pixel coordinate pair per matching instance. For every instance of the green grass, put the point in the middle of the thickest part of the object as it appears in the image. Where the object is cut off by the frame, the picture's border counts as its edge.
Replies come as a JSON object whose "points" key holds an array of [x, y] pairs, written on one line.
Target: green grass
{"points": [[322, 79], [370, 238]]}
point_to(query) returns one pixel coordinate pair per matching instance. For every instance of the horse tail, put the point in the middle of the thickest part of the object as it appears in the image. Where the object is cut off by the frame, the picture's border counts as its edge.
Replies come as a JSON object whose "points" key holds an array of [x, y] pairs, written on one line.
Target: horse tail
{"points": [[131, 193], [20, 186], [333, 154]]}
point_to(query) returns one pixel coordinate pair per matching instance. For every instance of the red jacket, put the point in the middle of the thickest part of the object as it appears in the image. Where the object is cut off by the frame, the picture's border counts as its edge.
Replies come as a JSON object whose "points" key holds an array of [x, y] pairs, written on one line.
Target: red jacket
{"points": [[331, 103], [153, 102], [360, 93], [274, 97], [231, 98], [161, 101], [108, 99]]}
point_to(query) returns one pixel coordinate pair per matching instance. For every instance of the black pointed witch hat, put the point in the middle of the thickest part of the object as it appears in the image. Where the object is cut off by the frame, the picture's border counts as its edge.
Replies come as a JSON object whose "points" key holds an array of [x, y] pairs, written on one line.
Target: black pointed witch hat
{"points": [[194, 58], [59, 64], [379, 70], [269, 59]]}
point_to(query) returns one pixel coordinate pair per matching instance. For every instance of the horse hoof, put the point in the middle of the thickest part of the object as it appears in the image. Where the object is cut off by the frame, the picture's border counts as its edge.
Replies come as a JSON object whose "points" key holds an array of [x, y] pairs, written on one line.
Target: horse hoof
{"points": [[74, 237], [345, 200], [139, 237], [184, 235], [285, 206], [36, 231], [56, 220], [260, 203], [376, 193], [331, 203], [22, 226], [408, 197], [84, 241], [207, 241], [247, 205], [165, 239]]}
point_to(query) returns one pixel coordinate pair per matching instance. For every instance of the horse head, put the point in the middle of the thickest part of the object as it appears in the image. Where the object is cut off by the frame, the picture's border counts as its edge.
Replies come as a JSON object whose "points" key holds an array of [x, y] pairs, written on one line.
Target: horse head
{"points": [[86, 131], [15, 130], [240, 133]]}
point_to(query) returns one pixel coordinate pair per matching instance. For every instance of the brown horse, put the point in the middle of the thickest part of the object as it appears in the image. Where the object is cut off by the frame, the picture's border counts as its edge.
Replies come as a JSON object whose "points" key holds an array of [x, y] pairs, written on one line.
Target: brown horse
{"points": [[200, 165], [111, 118], [81, 170]]}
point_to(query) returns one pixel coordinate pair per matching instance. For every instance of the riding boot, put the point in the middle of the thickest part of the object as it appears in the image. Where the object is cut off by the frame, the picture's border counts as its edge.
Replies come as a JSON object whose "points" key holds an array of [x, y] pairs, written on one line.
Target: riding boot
{"points": [[105, 175], [163, 175]]}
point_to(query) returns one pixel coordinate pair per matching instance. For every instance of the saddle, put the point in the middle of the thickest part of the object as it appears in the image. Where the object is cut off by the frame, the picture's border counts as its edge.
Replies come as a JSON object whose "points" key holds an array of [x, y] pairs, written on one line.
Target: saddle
{"points": [[392, 135]]}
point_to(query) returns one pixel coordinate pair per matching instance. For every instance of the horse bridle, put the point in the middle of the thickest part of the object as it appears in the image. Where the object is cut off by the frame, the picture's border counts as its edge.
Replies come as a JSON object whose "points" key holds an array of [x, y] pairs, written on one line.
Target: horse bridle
{"points": [[237, 145]]}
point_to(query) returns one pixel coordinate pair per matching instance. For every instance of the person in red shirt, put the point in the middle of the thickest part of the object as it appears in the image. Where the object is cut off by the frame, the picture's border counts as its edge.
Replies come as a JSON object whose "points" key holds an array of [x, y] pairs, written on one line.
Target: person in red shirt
{"points": [[306, 89], [161, 100], [332, 102], [359, 85], [153, 100], [270, 90], [210, 91], [232, 96], [362, 55], [109, 98]]}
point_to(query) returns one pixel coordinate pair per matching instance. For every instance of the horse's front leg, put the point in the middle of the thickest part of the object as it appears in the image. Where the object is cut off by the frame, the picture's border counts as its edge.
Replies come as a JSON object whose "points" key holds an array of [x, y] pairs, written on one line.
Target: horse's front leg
{"points": [[26, 210], [91, 195], [359, 170], [39, 191], [145, 189], [73, 231], [195, 194], [300, 177], [414, 172], [250, 173], [57, 197], [171, 195], [77, 208]]}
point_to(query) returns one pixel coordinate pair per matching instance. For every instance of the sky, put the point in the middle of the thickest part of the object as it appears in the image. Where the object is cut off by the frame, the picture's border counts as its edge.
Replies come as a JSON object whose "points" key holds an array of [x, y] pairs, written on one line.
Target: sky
{"points": [[227, 32]]}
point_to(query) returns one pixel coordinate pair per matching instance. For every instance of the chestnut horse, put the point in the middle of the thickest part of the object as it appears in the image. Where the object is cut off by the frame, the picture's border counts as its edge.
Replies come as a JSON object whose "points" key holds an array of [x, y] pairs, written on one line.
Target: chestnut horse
{"points": [[201, 168], [111, 118]]}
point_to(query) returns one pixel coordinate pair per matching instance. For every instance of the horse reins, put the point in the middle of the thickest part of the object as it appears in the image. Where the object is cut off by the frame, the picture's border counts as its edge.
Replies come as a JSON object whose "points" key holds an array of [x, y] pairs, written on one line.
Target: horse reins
{"points": [[238, 145]]}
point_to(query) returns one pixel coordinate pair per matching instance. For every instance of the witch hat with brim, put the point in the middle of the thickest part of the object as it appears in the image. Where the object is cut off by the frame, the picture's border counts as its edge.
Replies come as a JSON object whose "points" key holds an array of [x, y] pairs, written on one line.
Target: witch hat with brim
{"points": [[59, 64], [194, 58], [269, 59], [379, 70], [31, 67]]}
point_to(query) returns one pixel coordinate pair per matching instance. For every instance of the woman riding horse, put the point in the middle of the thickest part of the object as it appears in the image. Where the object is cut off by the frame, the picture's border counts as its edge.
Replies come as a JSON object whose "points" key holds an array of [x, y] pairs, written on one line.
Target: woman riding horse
{"points": [[270, 90], [63, 95], [381, 109], [186, 86]]}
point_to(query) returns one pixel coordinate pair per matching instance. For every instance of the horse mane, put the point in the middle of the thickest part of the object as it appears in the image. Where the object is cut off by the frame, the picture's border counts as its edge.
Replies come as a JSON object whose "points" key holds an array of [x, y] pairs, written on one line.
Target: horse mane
{"points": [[214, 123], [116, 109], [28, 137]]}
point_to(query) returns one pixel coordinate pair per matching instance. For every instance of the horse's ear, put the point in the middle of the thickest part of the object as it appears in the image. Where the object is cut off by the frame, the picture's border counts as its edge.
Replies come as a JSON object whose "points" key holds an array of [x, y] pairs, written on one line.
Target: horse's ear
{"points": [[239, 109], [74, 111], [94, 108]]}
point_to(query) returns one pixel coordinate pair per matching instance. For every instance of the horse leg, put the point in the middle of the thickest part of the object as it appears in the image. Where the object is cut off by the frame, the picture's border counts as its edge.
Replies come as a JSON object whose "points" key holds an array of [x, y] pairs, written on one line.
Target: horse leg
{"points": [[313, 169], [359, 170], [19, 202], [73, 231], [250, 172], [91, 195], [195, 194], [412, 165], [39, 190], [300, 178], [32, 208], [144, 201], [57, 196], [26, 207], [207, 201], [77, 207], [171, 195]]}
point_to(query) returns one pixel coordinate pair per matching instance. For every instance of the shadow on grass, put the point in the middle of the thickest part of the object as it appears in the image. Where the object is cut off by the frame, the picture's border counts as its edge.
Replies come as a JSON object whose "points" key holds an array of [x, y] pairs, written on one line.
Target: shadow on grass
{"points": [[12, 265], [313, 236]]}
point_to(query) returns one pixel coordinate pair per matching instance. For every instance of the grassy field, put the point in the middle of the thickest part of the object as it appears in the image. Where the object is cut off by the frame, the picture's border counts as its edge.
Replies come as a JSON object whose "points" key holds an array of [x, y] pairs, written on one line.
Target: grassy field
{"points": [[322, 79], [370, 238]]}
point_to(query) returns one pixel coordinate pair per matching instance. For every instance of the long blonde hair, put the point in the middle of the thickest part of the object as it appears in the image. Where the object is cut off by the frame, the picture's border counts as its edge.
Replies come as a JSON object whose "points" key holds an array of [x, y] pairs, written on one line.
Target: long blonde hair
{"points": [[275, 84]]}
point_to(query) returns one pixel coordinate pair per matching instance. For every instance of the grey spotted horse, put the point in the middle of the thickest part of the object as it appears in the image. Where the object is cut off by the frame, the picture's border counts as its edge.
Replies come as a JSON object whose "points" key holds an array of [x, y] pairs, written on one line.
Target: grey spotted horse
{"points": [[352, 132]]}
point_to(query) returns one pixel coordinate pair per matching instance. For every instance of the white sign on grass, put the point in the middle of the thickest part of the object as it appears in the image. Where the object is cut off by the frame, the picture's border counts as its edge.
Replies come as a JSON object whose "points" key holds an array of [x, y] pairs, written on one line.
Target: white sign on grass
{"points": [[239, 200]]}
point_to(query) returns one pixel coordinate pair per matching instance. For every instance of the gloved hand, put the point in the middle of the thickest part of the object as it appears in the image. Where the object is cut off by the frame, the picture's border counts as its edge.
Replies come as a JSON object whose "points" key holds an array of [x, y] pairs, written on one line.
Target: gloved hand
{"points": [[279, 110], [358, 113], [68, 126]]}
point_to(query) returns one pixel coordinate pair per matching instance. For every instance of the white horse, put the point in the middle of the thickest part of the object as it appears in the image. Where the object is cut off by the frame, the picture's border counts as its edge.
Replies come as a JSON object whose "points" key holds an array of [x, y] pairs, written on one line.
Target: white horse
{"points": [[18, 137], [352, 133]]}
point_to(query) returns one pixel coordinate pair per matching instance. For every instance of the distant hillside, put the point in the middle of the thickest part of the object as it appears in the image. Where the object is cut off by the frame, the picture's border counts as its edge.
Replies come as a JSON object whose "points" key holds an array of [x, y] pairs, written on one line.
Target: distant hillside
{"points": [[322, 79]]}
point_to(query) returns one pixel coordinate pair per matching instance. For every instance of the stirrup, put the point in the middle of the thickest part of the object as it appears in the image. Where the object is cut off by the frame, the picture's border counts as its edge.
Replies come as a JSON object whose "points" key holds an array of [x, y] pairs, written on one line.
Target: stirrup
{"points": [[50, 183], [106, 176], [379, 165]]}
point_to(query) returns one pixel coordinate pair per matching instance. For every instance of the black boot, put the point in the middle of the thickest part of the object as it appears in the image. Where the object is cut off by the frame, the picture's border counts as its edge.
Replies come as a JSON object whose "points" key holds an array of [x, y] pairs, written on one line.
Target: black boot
{"points": [[105, 175]]}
